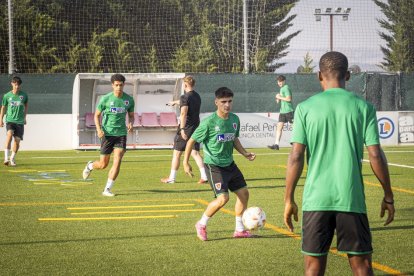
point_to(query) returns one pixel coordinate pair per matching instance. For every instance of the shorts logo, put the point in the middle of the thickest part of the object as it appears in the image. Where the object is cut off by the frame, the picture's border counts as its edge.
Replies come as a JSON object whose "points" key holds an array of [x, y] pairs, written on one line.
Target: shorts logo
{"points": [[218, 186], [235, 126], [126, 103], [385, 127]]}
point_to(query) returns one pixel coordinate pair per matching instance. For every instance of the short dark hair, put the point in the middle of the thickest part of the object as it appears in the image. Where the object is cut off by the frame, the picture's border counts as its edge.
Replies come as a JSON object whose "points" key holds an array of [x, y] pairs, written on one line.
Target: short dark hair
{"points": [[334, 64], [223, 92], [16, 79], [281, 78], [117, 77]]}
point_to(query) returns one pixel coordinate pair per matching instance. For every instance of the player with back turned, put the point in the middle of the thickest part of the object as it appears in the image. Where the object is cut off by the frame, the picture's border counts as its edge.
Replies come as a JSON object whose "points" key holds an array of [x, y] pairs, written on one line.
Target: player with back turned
{"points": [[332, 127]]}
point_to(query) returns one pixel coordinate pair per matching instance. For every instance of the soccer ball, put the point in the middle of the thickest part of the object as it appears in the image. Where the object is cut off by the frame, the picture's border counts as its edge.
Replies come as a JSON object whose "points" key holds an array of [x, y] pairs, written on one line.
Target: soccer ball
{"points": [[254, 218]]}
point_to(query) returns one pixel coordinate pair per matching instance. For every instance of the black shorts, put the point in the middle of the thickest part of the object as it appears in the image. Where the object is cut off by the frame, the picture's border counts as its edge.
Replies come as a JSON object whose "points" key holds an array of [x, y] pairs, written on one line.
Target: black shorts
{"points": [[223, 179], [17, 129], [352, 232], [180, 143], [110, 142], [286, 117]]}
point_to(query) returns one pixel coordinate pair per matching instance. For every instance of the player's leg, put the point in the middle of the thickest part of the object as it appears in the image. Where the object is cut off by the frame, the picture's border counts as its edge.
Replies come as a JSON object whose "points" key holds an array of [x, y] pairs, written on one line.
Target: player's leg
{"points": [[15, 149], [118, 152], [175, 165], [279, 130], [179, 148], [107, 146], [354, 238], [219, 185], [318, 230], [7, 146], [361, 264], [195, 153], [315, 265]]}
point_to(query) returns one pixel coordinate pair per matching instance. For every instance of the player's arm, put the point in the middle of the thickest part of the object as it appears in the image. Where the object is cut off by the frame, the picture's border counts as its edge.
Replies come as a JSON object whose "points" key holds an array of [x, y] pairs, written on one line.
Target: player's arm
{"points": [[25, 112], [173, 103], [379, 166], [238, 146], [97, 120], [286, 99], [187, 153], [295, 164], [2, 112], [130, 121], [183, 120]]}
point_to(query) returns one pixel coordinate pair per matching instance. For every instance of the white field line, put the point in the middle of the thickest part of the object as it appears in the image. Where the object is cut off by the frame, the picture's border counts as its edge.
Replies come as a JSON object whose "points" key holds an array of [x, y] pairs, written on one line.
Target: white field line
{"points": [[393, 164]]}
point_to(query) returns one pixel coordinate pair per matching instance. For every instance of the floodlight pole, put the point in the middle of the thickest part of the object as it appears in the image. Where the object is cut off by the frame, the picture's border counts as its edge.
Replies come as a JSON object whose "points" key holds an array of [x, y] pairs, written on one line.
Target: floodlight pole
{"points": [[329, 12], [11, 50], [245, 39]]}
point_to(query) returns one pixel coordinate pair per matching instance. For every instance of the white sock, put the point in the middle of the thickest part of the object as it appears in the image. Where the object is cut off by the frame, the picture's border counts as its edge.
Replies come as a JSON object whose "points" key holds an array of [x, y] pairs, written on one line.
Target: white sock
{"points": [[6, 154], [109, 184], [204, 219], [173, 173], [239, 224], [203, 173], [90, 166], [13, 155]]}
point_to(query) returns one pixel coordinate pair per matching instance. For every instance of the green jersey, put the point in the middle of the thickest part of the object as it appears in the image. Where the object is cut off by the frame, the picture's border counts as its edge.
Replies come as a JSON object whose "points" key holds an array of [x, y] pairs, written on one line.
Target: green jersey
{"points": [[15, 104], [217, 136], [114, 111], [334, 126], [285, 107]]}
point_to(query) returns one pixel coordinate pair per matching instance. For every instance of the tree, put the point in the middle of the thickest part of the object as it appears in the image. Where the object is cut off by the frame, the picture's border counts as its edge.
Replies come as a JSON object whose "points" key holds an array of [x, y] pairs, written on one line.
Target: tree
{"points": [[307, 64], [398, 35]]}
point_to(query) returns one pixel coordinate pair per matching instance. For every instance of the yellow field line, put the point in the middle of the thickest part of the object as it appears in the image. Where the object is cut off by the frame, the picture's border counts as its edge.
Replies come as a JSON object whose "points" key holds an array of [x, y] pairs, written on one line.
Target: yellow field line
{"points": [[282, 231], [45, 180], [106, 218], [140, 211], [11, 204], [46, 183], [124, 207], [20, 171]]}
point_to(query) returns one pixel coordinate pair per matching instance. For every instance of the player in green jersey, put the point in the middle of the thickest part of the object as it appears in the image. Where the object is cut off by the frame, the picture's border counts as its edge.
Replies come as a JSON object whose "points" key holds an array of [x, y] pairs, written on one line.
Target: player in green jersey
{"points": [[14, 105], [284, 97], [113, 133], [333, 127], [219, 135]]}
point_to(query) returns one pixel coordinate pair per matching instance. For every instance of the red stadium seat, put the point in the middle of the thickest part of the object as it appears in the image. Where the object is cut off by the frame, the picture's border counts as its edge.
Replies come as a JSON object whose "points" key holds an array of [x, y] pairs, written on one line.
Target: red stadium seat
{"points": [[149, 119], [168, 119]]}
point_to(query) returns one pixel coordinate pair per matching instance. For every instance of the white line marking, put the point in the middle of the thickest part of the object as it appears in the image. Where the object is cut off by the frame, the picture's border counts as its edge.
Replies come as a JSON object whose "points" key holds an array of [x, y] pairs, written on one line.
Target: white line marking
{"points": [[395, 165]]}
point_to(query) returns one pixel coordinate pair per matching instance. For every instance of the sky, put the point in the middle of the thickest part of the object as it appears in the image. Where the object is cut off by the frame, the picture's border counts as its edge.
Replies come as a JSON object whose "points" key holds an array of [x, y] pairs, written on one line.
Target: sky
{"points": [[357, 38]]}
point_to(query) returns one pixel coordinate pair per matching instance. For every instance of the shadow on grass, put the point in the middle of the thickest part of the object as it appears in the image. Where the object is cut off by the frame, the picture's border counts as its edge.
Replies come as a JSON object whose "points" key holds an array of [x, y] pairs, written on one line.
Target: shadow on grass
{"points": [[404, 227]]}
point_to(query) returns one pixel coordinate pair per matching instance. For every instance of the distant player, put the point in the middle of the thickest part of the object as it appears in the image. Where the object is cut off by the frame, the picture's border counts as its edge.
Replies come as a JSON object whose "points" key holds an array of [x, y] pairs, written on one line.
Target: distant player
{"points": [[333, 127], [14, 105], [219, 134], [190, 104], [286, 109], [113, 133]]}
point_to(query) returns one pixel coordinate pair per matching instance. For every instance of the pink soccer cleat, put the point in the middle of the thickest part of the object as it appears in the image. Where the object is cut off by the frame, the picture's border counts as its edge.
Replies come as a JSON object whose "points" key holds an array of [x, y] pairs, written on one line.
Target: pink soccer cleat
{"points": [[242, 234], [201, 231]]}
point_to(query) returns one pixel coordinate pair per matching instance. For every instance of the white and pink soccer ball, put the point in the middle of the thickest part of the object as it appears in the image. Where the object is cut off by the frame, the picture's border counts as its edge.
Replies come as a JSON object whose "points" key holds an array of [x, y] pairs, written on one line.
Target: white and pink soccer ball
{"points": [[254, 218]]}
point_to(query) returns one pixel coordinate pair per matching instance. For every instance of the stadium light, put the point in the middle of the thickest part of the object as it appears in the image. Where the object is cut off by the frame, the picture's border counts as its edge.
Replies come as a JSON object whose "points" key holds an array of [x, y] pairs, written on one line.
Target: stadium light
{"points": [[344, 13]]}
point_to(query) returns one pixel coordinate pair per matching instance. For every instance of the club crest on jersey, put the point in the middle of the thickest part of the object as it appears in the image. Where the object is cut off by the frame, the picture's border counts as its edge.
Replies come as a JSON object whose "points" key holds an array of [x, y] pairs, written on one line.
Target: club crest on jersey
{"points": [[235, 126], [126, 103], [218, 186], [225, 137], [21, 98]]}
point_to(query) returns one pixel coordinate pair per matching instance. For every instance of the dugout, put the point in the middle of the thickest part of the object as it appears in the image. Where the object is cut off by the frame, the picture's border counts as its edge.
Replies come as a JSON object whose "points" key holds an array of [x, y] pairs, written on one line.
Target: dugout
{"points": [[155, 123]]}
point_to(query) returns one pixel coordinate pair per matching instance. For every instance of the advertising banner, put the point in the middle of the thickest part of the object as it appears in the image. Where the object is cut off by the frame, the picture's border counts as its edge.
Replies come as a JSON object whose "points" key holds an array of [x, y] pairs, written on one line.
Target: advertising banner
{"points": [[406, 127], [388, 128]]}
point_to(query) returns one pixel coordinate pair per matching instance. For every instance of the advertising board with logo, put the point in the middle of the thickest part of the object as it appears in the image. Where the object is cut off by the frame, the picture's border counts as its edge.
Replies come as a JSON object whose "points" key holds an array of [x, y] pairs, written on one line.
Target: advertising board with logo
{"points": [[388, 127], [406, 127]]}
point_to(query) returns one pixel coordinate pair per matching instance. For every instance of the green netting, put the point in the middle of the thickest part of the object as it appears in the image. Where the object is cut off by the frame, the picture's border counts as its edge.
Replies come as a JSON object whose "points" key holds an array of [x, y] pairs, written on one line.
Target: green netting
{"points": [[52, 94]]}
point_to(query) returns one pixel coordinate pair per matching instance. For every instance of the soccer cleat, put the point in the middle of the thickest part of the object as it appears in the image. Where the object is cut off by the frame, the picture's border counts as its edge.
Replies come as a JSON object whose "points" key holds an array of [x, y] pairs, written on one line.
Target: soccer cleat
{"points": [[201, 231], [167, 180], [107, 192], [6, 162], [242, 234], [86, 172], [202, 181], [12, 163], [274, 147]]}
